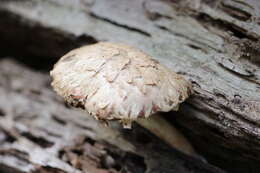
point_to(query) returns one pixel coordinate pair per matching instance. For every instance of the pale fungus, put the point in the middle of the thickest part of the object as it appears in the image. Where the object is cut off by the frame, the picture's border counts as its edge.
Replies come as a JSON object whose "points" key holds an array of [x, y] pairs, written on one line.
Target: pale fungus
{"points": [[118, 82]]}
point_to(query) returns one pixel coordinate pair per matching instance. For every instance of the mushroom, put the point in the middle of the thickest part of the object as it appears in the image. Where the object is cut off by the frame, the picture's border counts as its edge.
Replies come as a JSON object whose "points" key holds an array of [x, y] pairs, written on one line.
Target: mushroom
{"points": [[118, 82]]}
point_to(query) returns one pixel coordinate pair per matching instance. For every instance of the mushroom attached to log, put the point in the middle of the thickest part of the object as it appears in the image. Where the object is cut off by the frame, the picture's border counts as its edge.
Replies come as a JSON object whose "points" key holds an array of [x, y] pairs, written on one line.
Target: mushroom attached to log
{"points": [[115, 81]]}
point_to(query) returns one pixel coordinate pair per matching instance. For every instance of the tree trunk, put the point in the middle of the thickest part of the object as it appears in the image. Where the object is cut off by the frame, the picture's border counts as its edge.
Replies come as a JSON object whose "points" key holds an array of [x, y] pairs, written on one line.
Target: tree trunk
{"points": [[214, 44]]}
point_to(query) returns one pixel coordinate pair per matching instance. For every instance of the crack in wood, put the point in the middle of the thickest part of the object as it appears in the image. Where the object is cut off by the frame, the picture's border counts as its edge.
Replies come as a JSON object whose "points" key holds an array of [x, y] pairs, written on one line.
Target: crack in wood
{"points": [[42, 142], [129, 28]]}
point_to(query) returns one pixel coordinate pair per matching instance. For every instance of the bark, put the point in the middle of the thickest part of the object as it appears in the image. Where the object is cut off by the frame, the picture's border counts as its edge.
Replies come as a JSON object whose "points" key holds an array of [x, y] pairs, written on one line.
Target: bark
{"points": [[214, 44]]}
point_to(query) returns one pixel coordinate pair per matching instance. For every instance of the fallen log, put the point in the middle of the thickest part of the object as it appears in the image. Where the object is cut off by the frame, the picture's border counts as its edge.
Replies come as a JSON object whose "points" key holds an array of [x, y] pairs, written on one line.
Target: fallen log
{"points": [[213, 44]]}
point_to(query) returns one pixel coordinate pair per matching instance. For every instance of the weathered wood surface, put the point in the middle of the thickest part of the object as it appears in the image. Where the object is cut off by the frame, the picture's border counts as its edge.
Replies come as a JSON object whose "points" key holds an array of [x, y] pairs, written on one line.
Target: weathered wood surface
{"points": [[214, 44], [39, 133]]}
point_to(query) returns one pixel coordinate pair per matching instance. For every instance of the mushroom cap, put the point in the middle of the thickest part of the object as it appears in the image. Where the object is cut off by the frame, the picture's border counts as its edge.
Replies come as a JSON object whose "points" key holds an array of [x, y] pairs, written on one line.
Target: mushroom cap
{"points": [[116, 81]]}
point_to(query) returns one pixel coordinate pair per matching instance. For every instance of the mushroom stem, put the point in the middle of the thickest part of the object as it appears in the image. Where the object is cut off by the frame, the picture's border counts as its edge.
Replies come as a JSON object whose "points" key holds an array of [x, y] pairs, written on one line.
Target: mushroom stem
{"points": [[167, 132]]}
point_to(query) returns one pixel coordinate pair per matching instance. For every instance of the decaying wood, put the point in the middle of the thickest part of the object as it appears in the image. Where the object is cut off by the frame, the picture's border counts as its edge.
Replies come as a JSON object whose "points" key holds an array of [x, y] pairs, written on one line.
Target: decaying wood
{"points": [[215, 44], [39, 133]]}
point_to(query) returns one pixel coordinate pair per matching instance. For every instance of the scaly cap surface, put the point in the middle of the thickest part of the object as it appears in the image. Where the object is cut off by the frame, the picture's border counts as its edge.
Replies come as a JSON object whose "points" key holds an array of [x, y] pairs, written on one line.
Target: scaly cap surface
{"points": [[115, 81]]}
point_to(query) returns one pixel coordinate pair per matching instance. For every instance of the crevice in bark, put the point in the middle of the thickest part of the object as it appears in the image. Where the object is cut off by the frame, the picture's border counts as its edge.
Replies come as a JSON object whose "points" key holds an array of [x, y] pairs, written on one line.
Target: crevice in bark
{"points": [[5, 136], [132, 29], [236, 12], [42, 142], [2, 113], [59, 120], [16, 153], [48, 169], [234, 30]]}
